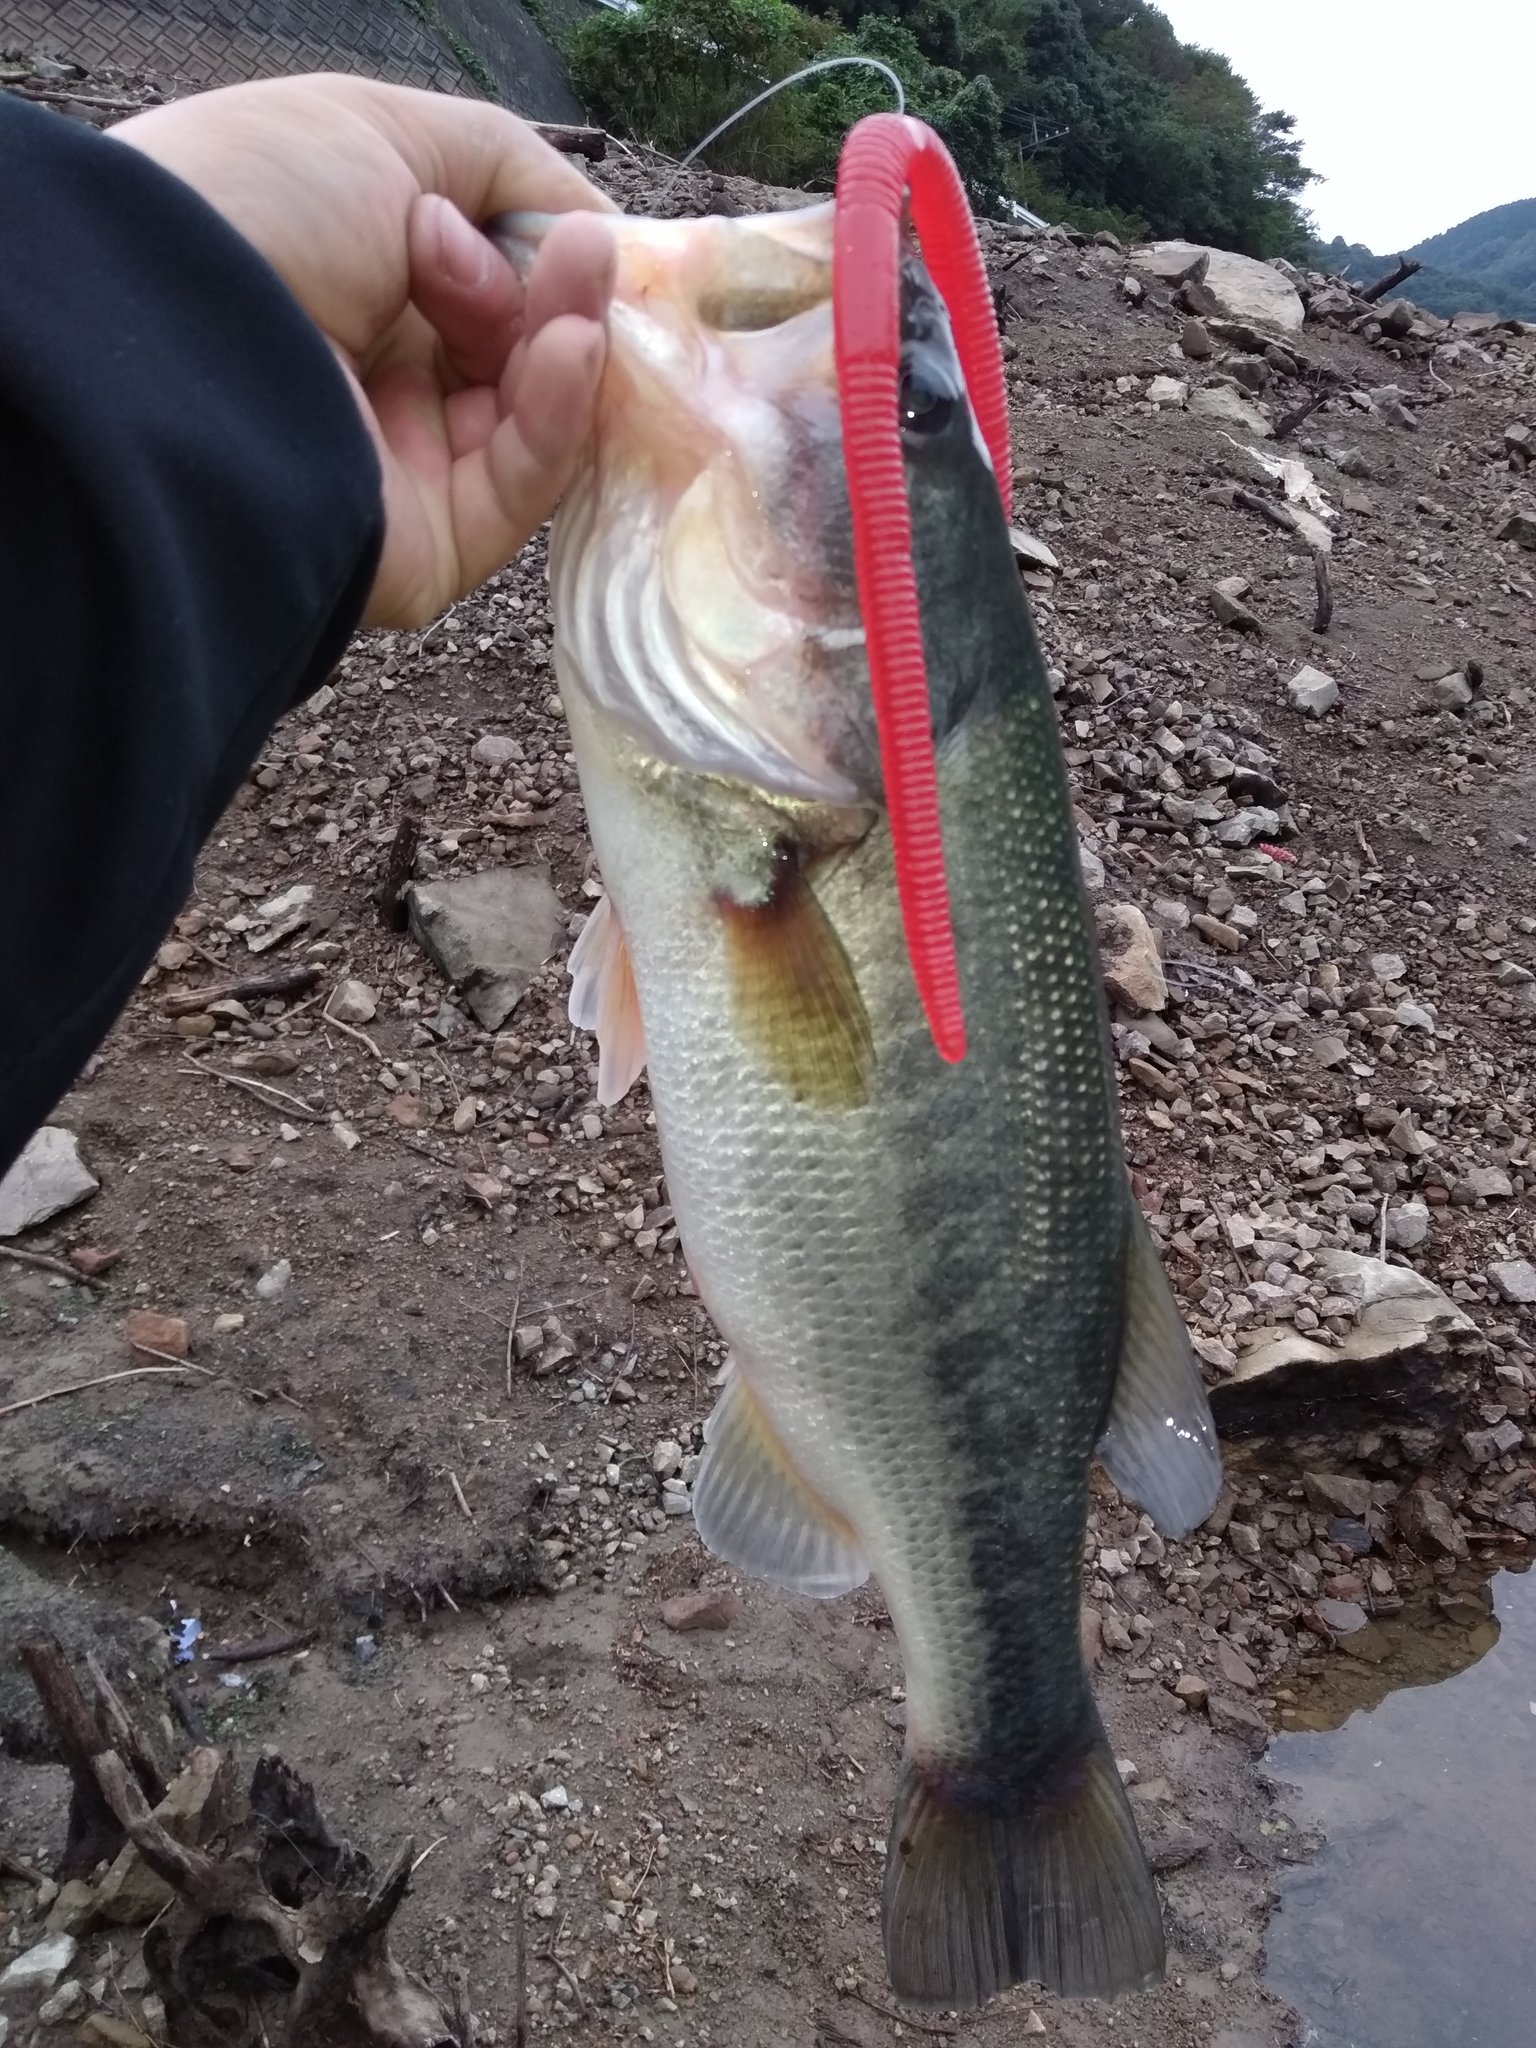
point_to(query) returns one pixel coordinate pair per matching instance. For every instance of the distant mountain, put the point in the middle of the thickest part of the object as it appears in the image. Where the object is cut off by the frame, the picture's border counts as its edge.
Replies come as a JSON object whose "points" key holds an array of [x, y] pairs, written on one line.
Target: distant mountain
{"points": [[1487, 265]]}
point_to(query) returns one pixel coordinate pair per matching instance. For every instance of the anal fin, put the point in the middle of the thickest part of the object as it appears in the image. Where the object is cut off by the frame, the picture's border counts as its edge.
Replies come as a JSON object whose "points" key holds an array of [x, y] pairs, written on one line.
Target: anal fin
{"points": [[1159, 1445], [752, 1508], [604, 999]]}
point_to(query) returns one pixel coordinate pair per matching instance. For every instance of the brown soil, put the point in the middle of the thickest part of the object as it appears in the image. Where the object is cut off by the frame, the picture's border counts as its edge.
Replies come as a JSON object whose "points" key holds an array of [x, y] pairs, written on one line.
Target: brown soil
{"points": [[719, 1858]]}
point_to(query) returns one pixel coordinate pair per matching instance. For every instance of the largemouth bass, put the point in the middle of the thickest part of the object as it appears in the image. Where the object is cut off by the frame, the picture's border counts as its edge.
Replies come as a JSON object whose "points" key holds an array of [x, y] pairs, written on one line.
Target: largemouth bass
{"points": [[938, 1293]]}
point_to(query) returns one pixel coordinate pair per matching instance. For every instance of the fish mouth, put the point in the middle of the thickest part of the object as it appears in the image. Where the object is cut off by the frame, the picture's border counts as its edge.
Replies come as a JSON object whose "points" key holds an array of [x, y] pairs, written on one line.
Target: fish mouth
{"points": [[701, 566]]}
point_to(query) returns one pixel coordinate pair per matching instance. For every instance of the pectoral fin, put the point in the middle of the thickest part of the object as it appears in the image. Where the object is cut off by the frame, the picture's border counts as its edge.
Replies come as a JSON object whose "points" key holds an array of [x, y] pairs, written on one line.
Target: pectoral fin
{"points": [[752, 1508], [795, 998], [1159, 1446], [603, 999]]}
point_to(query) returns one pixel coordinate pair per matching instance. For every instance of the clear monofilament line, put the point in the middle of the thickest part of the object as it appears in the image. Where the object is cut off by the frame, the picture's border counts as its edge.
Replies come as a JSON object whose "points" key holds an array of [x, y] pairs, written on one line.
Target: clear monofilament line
{"points": [[778, 86]]}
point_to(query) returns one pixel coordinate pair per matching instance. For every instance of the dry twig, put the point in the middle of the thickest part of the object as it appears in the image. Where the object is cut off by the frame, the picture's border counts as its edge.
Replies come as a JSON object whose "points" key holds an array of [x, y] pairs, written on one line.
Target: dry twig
{"points": [[260, 1089], [905, 2019], [133, 1372], [349, 1030], [48, 1264]]}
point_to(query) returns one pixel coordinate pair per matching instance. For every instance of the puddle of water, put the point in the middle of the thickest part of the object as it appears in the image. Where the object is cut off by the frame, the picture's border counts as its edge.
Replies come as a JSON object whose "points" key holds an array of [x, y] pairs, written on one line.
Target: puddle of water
{"points": [[1412, 1926]]}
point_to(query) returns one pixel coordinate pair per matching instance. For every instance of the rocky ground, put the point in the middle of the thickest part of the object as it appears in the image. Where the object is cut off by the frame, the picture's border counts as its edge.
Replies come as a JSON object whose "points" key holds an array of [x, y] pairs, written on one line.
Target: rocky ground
{"points": [[450, 1370]]}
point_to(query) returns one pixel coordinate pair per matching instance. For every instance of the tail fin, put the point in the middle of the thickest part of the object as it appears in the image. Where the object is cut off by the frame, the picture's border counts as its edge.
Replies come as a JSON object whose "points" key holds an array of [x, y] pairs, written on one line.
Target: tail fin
{"points": [[987, 1885]]}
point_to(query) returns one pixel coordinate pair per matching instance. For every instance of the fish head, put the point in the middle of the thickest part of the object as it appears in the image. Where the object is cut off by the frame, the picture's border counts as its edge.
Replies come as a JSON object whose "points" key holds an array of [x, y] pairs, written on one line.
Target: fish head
{"points": [[702, 564]]}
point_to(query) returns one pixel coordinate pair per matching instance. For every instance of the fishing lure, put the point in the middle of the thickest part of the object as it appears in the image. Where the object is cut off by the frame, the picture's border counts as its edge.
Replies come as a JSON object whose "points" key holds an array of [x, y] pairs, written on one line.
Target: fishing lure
{"points": [[894, 168]]}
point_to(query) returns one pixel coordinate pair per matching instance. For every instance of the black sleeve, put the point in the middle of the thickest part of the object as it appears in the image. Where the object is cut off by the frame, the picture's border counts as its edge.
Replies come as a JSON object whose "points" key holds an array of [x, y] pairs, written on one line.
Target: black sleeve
{"points": [[190, 520]]}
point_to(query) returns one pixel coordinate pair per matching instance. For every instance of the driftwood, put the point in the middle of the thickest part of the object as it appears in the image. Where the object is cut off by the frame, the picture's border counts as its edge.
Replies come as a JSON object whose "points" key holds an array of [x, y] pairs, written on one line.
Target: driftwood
{"points": [[1288, 422], [84, 1732], [591, 143], [277, 1933], [1323, 617], [1405, 267], [281, 981], [1267, 508], [399, 867]]}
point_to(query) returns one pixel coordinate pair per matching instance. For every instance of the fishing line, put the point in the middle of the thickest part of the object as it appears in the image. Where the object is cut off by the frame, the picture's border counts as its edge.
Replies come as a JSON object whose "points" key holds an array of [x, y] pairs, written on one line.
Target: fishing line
{"points": [[793, 78]]}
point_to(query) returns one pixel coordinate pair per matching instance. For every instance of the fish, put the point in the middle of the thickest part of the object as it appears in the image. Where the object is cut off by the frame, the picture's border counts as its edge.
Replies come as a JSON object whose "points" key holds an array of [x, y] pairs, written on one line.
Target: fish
{"points": [[940, 1299]]}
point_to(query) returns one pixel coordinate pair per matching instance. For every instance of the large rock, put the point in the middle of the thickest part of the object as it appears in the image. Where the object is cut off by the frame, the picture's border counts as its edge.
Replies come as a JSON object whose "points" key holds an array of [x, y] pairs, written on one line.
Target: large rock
{"points": [[1397, 1363], [1220, 402], [1312, 691], [1132, 963], [1242, 288], [48, 1178], [489, 933]]}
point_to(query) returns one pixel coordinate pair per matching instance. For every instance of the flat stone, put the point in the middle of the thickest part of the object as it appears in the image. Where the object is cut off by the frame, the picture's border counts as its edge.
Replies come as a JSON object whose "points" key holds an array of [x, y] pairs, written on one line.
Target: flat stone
{"points": [[1514, 1280], [74, 1908], [105, 2030], [47, 1179], [1237, 1718], [1132, 963], [489, 934], [1243, 827], [1388, 966], [1337, 1493], [1168, 393], [1329, 1051], [714, 1607], [1033, 553], [39, 1968], [67, 2003], [1227, 603], [131, 1894], [1427, 1525], [1520, 527], [150, 1333], [496, 750], [1226, 936], [1234, 1666], [1490, 1184], [1312, 691]]}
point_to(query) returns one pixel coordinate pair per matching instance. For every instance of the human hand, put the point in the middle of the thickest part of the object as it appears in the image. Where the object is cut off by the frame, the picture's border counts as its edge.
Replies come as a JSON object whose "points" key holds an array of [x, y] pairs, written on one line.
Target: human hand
{"points": [[478, 390]]}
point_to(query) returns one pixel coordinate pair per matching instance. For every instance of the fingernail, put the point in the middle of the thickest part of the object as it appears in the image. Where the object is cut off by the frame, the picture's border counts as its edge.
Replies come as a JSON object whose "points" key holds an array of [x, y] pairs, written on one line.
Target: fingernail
{"points": [[464, 255]]}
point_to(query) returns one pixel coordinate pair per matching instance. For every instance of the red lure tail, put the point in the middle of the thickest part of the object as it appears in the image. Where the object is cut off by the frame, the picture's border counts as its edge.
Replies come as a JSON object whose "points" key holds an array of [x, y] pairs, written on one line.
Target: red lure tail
{"points": [[885, 157]]}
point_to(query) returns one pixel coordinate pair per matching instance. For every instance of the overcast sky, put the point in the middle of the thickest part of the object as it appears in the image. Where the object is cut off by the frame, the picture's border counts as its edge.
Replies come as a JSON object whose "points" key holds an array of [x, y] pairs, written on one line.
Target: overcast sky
{"points": [[1414, 115]]}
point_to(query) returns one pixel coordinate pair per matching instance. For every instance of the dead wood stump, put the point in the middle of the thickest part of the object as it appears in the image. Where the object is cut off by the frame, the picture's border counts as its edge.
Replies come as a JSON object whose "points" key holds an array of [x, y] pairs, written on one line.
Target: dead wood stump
{"points": [[277, 1934]]}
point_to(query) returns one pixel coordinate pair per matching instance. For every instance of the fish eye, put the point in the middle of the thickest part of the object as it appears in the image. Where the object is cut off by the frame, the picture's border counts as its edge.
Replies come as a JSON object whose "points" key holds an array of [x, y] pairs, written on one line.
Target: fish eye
{"points": [[924, 410]]}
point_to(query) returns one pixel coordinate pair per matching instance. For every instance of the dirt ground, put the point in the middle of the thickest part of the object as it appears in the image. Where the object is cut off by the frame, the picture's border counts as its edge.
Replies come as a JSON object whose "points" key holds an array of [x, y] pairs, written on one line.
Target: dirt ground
{"points": [[467, 1528]]}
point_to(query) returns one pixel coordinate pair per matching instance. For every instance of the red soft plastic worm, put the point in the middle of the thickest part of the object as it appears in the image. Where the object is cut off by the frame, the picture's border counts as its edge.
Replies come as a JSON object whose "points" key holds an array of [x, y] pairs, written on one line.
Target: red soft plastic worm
{"points": [[885, 157]]}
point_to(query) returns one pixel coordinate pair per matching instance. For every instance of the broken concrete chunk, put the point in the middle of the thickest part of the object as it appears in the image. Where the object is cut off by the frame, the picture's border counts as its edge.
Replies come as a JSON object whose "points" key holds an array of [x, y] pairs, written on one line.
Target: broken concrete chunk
{"points": [[489, 934], [47, 1179]]}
